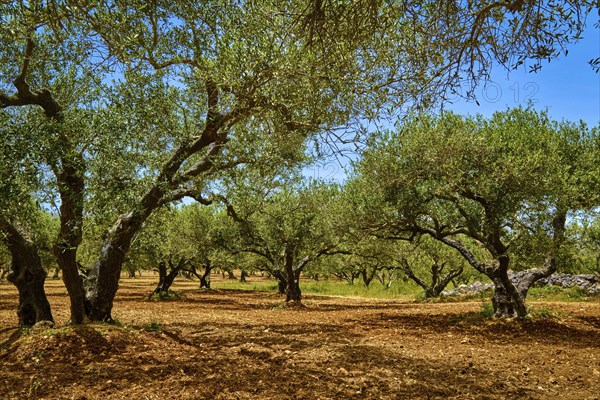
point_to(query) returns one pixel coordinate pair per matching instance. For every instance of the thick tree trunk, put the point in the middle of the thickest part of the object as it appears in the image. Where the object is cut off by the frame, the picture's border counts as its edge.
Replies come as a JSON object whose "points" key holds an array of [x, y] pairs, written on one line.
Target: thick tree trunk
{"points": [[509, 295], [367, 277], [28, 275], [292, 291], [508, 302], [102, 282], [281, 281], [243, 276], [205, 280], [70, 183], [166, 278], [66, 258]]}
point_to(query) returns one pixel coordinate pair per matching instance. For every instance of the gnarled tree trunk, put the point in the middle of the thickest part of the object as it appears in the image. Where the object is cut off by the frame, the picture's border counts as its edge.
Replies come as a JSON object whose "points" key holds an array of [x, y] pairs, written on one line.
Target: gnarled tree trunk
{"points": [[205, 277], [102, 282], [28, 275], [281, 281], [292, 291], [166, 278], [367, 276]]}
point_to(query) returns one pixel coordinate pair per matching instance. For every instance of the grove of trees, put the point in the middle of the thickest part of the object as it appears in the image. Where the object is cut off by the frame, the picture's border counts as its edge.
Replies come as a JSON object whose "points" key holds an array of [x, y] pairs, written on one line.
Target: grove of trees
{"points": [[113, 113]]}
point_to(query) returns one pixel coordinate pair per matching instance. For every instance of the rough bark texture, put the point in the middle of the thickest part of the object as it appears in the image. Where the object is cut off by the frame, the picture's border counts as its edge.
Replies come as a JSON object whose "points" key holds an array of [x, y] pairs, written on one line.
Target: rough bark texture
{"points": [[28, 275], [166, 278], [509, 297], [205, 282], [292, 291], [281, 281], [103, 280], [205, 277], [3, 272], [68, 167]]}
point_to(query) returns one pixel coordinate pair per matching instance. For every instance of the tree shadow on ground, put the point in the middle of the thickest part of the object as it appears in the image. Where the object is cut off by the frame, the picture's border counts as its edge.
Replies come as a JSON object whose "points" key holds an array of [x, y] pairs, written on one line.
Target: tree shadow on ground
{"points": [[245, 364], [491, 330]]}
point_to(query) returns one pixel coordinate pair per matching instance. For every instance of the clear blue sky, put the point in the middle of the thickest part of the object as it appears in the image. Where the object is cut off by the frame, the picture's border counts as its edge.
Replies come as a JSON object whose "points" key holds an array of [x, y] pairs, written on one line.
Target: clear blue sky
{"points": [[568, 86]]}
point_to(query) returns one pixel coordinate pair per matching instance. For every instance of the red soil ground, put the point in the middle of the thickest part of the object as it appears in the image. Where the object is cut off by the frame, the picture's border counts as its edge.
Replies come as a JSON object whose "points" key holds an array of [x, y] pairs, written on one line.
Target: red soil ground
{"points": [[245, 345]]}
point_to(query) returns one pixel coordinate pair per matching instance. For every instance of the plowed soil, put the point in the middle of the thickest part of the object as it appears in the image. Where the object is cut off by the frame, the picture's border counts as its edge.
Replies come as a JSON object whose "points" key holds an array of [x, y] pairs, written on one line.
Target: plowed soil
{"points": [[222, 344]]}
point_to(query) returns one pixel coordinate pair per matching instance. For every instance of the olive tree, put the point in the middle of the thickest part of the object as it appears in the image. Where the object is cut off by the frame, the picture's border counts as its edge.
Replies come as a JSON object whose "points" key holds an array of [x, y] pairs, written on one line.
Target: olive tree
{"points": [[482, 187], [289, 227]]}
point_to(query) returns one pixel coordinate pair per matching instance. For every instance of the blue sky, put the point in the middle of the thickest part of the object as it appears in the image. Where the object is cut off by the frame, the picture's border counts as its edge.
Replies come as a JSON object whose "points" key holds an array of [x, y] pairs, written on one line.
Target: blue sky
{"points": [[568, 86]]}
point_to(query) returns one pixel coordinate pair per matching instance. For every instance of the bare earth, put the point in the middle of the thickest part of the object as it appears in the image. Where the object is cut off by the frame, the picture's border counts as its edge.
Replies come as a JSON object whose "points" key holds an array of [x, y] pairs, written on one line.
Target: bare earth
{"points": [[244, 345]]}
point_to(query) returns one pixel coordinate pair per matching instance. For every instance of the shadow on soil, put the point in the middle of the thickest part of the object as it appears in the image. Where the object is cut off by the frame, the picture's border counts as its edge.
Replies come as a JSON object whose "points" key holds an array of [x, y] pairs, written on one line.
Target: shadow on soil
{"points": [[495, 331], [283, 363]]}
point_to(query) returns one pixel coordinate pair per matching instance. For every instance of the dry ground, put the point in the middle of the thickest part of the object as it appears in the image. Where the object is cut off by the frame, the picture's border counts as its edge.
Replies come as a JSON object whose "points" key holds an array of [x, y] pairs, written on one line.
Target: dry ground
{"points": [[245, 345]]}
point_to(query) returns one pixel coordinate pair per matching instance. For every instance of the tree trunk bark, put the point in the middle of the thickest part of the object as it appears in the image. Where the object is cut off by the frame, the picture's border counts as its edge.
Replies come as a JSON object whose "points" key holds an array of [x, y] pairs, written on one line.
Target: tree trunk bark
{"points": [[166, 278], [205, 282], [292, 291], [102, 283], [281, 281], [507, 301], [367, 278], [70, 184], [28, 275], [67, 260]]}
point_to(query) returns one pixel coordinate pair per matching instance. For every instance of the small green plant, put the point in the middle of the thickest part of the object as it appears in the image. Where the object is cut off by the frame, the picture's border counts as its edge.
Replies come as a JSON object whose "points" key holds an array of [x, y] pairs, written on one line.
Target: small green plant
{"points": [[154, 327], [487, 309], [164, 296]]}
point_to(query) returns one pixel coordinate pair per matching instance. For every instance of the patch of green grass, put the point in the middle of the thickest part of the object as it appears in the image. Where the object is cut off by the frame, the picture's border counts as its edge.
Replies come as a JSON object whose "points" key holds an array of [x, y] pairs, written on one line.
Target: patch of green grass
{"points": [[375, 289], [400, 289], [153, 327], [263, 286], [487, 309], [556, 293], [163, 296]]}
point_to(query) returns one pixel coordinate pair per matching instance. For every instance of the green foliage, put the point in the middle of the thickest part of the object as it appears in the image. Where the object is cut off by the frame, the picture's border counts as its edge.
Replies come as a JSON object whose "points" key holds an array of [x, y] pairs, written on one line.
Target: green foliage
{"points": [[154, 327], [469, 178], [145, 104], [487, 310], [556, 293], [165, 296], [332, 287]]}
